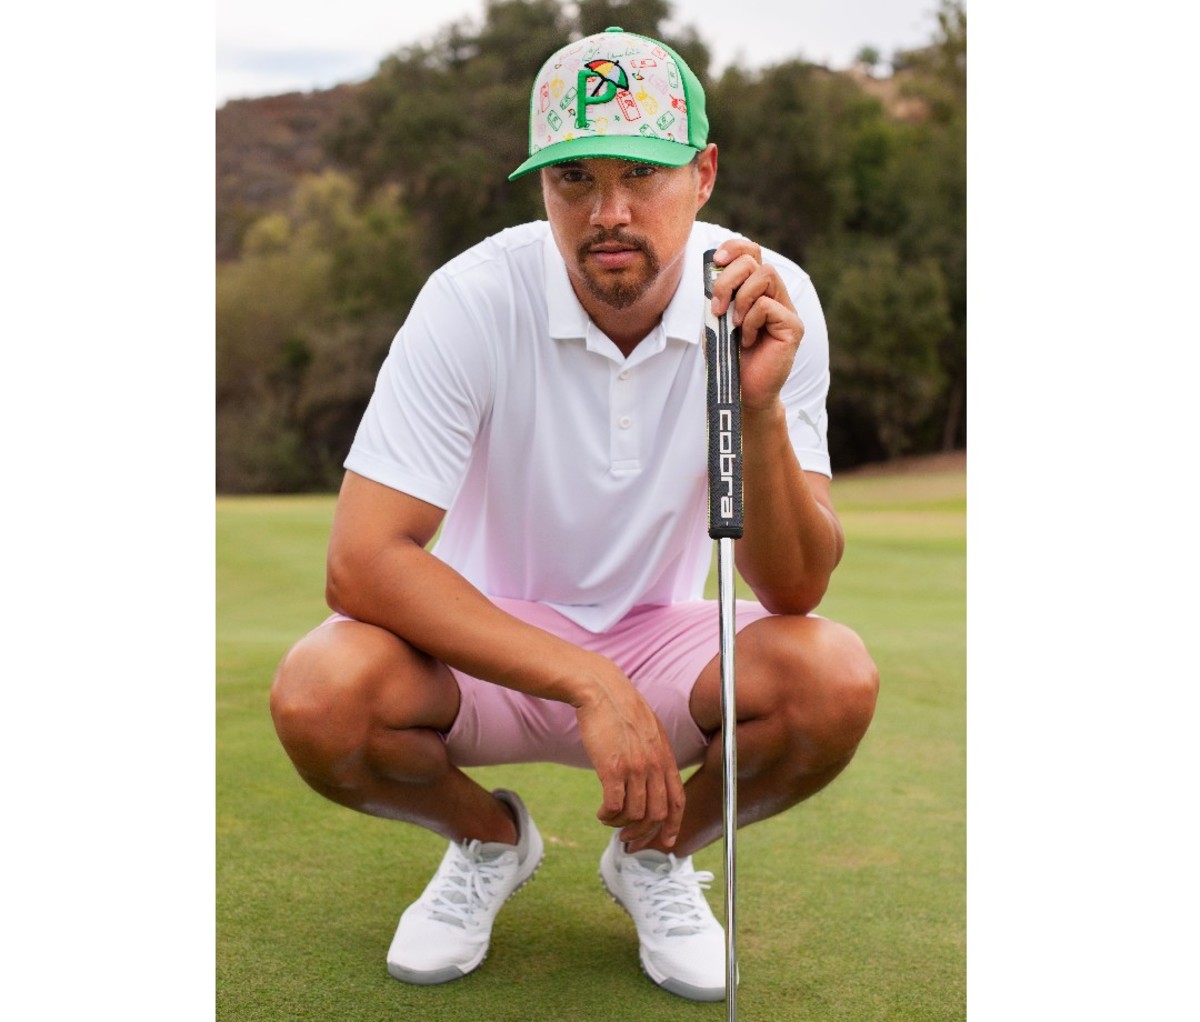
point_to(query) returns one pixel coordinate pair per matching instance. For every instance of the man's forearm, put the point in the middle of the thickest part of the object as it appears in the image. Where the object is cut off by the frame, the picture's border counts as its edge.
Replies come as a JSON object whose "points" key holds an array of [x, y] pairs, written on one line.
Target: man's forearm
{"points": [[792, 541], [417, 597], [379, 572]]}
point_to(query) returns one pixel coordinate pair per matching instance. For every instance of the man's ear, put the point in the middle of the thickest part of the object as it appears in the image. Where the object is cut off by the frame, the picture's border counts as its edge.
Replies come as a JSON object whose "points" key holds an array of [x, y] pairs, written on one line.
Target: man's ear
{"points": [[706, 168]]}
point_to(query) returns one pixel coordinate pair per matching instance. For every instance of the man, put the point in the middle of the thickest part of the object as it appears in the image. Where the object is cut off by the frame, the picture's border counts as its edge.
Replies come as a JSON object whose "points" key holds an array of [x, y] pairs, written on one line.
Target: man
{"points": [[544, 405]]}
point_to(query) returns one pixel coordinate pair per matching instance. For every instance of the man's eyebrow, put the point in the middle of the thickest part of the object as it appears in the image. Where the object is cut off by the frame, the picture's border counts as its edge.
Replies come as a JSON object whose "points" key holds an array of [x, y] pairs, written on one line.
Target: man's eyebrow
{"points": [[569, 165]]}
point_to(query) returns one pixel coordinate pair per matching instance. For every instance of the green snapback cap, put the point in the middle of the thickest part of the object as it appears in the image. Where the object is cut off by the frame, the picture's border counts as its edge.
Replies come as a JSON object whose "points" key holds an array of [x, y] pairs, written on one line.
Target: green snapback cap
{"points": [[615, 94]]}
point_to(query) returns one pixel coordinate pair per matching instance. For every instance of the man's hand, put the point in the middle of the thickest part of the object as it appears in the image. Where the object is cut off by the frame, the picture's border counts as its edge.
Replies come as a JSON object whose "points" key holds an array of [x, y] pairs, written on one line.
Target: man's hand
{"points": [[643, 792], [771, 329], [793, 539]]}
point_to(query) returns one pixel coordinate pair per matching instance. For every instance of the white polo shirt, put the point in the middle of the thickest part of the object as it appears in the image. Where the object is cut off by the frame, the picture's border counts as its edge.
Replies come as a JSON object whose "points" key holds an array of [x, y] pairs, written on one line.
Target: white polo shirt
{"points": [[572, 476]]}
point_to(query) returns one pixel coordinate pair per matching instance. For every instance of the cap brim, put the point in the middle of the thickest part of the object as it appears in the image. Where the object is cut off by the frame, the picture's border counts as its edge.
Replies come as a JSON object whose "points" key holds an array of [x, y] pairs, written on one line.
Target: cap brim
{"points": [[660, 151]]}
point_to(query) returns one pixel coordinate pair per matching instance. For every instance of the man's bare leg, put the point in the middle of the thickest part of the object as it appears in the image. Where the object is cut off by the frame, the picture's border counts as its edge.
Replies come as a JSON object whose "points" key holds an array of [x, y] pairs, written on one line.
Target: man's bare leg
{"points": [[806, 690], [360, 713]]}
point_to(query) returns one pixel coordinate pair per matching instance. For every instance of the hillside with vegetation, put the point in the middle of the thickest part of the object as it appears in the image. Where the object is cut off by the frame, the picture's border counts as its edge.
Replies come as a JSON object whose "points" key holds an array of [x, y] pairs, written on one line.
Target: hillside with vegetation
{"points": [[334, 206], [264, 148]]}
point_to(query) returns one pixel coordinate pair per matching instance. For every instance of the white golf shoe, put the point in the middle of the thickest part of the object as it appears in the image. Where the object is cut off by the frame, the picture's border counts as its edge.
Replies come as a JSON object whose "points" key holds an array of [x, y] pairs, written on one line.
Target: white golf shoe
{"points": [[445, 933], [681, 944]]}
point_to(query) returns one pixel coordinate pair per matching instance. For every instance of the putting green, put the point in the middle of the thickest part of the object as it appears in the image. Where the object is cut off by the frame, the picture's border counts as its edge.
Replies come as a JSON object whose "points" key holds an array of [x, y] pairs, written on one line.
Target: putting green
{"points": [[851, 906]]}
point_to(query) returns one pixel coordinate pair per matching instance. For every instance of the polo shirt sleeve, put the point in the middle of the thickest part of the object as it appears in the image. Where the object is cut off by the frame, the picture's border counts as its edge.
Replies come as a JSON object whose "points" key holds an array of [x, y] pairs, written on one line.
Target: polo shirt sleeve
{"points": [[807, 387], [432, 394]]}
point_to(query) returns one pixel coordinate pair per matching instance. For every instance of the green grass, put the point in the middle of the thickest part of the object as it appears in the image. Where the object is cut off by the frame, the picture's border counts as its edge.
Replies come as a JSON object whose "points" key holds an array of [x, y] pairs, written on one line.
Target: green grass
{"points": [[851, 906]]}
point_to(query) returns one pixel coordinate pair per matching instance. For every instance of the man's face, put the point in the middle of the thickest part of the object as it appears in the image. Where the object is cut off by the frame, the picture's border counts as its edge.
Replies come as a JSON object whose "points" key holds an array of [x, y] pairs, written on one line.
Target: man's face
{"points": [[622, 226]]}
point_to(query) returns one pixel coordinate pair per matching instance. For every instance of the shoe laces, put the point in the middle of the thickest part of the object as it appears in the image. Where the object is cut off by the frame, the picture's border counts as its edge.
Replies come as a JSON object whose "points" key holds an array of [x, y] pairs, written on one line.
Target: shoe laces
{"points": [[464, 884], [672, 893]]}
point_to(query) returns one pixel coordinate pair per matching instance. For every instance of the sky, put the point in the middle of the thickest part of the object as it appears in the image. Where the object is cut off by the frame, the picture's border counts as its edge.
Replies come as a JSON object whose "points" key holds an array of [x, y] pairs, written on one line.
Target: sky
{"points": [[268, 47]]}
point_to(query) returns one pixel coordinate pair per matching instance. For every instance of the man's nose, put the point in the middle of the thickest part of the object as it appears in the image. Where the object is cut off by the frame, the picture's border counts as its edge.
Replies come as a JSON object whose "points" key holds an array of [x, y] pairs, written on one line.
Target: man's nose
{"points": [[612, 207]]}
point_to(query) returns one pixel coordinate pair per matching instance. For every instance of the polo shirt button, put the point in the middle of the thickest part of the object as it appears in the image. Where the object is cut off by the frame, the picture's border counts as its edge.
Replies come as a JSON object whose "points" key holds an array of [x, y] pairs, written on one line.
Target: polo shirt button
{"points": [[624, 375], [625, 422]]}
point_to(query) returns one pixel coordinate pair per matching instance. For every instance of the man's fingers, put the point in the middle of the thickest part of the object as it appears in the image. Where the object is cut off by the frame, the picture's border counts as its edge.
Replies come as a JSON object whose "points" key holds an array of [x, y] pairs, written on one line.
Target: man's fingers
{"points": [[649, 808], [761, 301], [764, 282], [769, 316], [731, 278], [730, 250], [612, 806], [639, 778], [635, 799], [641, 832], [737, 259], [665, 800], [638, 835]]}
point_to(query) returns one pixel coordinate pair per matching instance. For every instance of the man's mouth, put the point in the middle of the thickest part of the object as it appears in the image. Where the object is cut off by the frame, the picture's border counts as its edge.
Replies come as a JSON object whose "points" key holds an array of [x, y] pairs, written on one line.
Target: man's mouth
{"points": [[614, 260], [613, 255]]}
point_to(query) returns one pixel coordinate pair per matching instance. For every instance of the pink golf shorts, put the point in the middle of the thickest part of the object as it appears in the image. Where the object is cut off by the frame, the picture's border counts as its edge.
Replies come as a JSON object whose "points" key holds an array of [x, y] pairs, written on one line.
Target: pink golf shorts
{"points": [[661, 649]]}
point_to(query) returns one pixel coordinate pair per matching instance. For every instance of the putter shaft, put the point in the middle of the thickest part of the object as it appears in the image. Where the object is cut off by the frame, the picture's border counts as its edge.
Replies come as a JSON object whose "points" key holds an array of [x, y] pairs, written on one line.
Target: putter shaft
{"points": [[726, 614], [722, 347]]}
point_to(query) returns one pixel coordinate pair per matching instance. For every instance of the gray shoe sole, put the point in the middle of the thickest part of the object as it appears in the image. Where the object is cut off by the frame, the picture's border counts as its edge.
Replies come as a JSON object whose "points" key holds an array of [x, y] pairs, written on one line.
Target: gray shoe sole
{"points": [[672, 986], [452, 972], [430, 978]]}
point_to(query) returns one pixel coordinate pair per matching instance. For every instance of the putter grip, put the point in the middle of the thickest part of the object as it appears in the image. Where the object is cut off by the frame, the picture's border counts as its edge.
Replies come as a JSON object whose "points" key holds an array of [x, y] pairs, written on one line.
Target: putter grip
{"points": [[722, 349]]}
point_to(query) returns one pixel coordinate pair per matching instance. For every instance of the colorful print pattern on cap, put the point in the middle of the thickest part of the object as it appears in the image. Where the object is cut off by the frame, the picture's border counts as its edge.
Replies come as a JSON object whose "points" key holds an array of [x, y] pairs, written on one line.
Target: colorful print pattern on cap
{"points": [[609, 84]]}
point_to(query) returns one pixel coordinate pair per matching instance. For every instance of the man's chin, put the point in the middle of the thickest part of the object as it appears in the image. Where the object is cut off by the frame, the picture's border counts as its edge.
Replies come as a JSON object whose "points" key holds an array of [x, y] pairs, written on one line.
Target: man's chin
{"points": [[619, 297], [616, 293]]}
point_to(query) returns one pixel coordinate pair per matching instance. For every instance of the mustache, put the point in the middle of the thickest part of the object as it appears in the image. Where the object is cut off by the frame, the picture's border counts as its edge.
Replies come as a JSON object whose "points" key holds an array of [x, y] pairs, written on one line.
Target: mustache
{"points": [[618, 236]]}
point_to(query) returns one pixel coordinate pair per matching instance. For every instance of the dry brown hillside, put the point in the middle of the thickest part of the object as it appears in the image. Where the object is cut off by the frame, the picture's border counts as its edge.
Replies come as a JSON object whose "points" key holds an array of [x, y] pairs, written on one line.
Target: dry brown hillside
{"points": [[891, 93], [263, 146]]}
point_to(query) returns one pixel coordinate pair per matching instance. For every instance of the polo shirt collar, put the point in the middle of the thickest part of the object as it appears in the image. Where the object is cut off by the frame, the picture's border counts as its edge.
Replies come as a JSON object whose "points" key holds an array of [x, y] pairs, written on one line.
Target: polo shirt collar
{"points": [[683, 319]]}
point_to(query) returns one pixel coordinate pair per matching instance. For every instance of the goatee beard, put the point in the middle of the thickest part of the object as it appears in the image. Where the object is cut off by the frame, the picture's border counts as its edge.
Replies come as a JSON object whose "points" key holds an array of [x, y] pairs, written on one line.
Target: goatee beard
{"points": [[618, 294]]}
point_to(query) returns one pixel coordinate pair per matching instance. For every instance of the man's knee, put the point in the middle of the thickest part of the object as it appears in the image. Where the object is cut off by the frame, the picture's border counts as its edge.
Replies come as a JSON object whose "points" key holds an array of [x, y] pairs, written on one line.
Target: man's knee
{"points": [[347, 685], [322, 696], [841, 666], [818, 676]]}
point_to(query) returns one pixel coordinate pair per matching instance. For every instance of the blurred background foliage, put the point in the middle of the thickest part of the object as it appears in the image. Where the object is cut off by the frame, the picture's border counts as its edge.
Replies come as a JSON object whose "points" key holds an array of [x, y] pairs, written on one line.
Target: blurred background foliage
{"points": [[333, 208]]}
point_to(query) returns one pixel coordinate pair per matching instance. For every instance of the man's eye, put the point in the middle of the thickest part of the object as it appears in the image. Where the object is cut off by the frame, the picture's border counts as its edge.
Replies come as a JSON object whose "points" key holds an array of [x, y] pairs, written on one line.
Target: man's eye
{"points": [[643, 170]]}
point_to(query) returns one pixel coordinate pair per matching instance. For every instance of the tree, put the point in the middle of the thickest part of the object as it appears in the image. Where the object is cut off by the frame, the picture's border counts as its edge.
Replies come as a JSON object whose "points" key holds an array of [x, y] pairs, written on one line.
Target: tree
{"points": [[888, 318], [936, 172], [868, 58], [304, 318], [644, 17], [867, 193], [787, 143], [447, 122]]}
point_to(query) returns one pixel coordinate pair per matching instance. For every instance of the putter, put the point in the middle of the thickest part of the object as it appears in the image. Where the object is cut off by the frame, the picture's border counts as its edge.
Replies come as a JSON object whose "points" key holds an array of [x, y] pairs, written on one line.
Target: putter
{"points": [[722, 344]]}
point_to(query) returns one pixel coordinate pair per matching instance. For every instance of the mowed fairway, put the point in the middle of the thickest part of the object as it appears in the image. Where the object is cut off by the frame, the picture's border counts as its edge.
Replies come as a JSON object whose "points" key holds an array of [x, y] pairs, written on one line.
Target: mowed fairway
{"points": [[851, 906]]}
